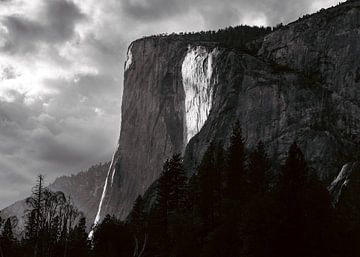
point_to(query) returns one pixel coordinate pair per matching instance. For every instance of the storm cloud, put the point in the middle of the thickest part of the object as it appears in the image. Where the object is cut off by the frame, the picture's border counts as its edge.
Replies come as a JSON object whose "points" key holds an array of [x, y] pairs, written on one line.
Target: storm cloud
{"points": [[61, 69], [54, 24]]}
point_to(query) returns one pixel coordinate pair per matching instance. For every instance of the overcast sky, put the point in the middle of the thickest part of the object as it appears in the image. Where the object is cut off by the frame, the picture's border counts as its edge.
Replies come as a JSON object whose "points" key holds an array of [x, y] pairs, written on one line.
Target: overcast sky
{"points": [[61, 72]]}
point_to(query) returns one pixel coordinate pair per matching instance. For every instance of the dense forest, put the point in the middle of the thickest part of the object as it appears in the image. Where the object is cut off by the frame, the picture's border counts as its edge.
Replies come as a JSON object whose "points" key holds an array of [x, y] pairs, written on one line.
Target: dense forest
{"points": [[236, 204]]}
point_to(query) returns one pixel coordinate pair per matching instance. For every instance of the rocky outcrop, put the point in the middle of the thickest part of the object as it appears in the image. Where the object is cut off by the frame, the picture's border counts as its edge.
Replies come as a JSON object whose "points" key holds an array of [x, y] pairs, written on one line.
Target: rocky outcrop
{"points": [[179, 95]]}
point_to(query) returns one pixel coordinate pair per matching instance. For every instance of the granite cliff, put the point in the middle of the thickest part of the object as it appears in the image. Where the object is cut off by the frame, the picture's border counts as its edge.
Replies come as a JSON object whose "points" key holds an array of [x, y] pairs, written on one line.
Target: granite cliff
{"points": [[300, 82]]}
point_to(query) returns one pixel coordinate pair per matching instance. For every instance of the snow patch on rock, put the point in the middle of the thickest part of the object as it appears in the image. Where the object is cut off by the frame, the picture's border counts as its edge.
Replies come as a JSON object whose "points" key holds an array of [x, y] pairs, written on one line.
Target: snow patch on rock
{"points": [[197, 76]]}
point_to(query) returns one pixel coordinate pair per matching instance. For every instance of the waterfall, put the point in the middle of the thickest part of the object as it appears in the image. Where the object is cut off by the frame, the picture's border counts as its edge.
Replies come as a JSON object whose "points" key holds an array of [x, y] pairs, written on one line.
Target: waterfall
{"points": [[197, 72]]}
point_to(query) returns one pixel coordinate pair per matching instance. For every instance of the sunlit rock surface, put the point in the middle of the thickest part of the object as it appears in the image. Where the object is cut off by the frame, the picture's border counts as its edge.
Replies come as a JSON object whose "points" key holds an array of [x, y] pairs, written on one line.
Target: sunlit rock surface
{"points": [[197, 71]]}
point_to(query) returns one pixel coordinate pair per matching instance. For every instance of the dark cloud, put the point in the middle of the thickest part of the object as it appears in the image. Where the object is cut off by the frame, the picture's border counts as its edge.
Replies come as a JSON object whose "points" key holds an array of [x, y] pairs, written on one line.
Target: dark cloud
{"points": [[60, 18], [8, 72], [154, 9], [55, 24], [217, 14]]}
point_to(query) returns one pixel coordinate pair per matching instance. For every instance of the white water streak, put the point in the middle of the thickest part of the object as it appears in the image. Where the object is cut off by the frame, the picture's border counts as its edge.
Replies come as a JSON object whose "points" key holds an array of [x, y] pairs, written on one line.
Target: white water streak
{"points": [[98, 214], [197, 71]]}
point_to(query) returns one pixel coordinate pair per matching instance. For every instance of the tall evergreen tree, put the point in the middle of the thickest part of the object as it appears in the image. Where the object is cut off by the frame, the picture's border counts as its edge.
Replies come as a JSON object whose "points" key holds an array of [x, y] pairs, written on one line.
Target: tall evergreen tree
{"points": [[178, 183], [210, 185], [35, 215], [259, 167], [79, 245], [235, 177], [171, 197], [172, 186], [137, 222], [8, 231], [112, 238], [1, 246], [293, 177], [49, 219], [306, 210], [137, 217], [8, 240]]}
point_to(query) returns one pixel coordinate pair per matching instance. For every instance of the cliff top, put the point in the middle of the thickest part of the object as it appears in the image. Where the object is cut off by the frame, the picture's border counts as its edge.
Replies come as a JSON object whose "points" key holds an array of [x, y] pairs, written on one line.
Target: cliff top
{"points": [[239, 37]]}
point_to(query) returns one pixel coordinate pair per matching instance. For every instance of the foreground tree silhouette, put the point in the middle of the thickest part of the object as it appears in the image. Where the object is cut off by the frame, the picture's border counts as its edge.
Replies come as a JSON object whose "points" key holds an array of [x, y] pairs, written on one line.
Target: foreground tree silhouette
{"points": [[259, 167], [211, 186], [50, 218], [112, 238], [235, 182], [305, 208], [8, 242], [79, 245], [138, 226], [35, 215], [170, 200]]}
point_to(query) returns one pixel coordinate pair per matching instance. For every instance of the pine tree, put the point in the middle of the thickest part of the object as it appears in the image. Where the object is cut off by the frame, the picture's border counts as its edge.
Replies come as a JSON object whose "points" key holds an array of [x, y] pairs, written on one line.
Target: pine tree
{"points": [[35, 216], [210, 185], [137, 216], [112, 238], [306, 209], [78, 240], [8, 242], [178, 183], [172, 186], [293, 176], [235, 178], [1, 246], [49, 219], [193, 194], [8, 231], [171, 197], [137, 221], [164, 190], [259, 167]]}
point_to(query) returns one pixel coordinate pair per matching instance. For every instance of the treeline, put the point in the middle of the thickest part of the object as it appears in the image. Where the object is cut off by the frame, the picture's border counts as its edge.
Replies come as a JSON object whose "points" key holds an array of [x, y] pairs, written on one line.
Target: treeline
{"points": [[53, 227], [237, 204], [236, 37]]}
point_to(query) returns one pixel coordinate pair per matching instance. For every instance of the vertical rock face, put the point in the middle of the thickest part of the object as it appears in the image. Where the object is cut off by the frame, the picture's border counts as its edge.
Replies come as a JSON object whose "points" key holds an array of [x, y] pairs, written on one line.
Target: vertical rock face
{"points": [[167, 98], [303, 85]]}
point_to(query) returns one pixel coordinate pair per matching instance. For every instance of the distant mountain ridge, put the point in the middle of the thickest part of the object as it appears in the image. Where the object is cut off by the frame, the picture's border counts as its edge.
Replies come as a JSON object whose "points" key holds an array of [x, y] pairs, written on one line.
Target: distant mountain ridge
{"points": [[84, 188]]}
